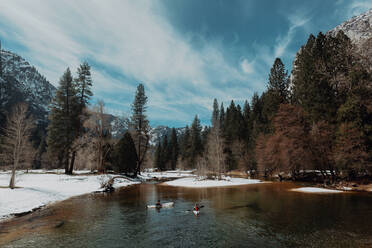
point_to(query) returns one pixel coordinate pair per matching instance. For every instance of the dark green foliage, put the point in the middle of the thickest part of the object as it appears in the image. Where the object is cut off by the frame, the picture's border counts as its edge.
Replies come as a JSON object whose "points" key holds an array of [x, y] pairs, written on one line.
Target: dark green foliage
{"points": [[279, 81], [222, 117], [215, 114], [166, 153], [196, 148], [140, 125], [186, 145], [84, 84], [174, 149], [320, 75], [124, 156], [64, 116], [158, 157]]}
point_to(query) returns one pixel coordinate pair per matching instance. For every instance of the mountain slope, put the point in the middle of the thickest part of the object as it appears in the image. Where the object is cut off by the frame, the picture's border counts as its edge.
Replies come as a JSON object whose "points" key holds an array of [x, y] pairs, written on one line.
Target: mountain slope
{"points": [[358, 28], [359, 31], [21, 82]]}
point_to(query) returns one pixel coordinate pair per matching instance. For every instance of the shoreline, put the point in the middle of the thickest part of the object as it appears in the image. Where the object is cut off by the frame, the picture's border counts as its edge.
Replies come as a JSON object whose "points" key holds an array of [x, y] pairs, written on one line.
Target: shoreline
{"points": [[37, 190]]}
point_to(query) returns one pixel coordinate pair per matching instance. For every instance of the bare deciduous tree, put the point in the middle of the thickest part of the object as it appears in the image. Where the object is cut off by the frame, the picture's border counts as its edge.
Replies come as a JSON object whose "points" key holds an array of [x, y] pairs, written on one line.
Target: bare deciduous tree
{"points": [[99, 135], [17, 148], [201, 166], [216, 156]]}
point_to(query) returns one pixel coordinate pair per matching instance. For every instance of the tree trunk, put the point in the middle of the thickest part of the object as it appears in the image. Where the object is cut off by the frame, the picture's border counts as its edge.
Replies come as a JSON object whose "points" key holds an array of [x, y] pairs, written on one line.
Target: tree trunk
{"points": [[66, 162], [100, 157], [12, 179], [71, 167]]}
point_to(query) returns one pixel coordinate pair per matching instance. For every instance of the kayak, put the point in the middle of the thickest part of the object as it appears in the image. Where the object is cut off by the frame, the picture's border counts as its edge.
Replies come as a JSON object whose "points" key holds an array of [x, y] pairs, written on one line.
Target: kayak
{"points": [[163, 205], [196, 212]]}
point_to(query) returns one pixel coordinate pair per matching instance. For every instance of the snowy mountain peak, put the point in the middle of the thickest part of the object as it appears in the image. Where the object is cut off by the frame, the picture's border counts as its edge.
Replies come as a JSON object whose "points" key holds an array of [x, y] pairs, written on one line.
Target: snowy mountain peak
{"points": [[358, 28]]}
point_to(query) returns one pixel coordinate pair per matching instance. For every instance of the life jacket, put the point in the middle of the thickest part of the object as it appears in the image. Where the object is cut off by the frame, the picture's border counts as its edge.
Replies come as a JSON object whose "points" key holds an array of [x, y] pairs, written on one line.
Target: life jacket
{"points": [[196, 208]]}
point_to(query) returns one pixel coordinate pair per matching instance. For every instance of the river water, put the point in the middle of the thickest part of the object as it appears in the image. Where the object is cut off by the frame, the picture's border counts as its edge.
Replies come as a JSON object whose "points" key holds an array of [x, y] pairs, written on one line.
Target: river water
{"points": [[263, 215]]}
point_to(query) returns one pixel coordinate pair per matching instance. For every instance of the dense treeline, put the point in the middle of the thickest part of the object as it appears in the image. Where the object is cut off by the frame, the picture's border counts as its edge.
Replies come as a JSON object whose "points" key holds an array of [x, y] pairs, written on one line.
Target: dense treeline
{"points": [[318, 121]]}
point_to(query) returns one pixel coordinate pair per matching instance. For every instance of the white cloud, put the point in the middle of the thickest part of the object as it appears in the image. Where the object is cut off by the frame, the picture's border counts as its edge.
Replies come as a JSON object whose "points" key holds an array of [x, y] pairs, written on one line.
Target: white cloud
{"points": [[130, 36], [296, 20], [247, 67]]}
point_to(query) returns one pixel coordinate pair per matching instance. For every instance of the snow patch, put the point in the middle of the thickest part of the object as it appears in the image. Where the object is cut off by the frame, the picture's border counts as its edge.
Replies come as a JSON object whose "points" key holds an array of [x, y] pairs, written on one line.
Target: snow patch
{"points": [[39, 189], [315, 190], [205, 183], [150, 174]]}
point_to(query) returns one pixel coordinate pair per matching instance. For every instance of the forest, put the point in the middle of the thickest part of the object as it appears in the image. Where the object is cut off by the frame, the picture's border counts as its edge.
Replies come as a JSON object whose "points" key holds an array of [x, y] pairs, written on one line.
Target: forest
{"points": [[314, 123]]}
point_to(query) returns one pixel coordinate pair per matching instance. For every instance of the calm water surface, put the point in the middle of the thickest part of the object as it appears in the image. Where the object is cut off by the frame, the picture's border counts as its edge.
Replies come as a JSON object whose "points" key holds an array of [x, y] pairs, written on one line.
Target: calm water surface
{"points": [[264, 215]]}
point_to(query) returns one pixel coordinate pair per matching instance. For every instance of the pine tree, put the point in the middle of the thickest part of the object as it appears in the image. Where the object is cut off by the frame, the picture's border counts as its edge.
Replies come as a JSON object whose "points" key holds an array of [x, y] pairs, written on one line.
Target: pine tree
{"points": [[186, 145], [140, 125], [246, 110], [279, 81], [173, 144], [247, 122], [125, 155], [158, 157], [215, 113], [84, 84], [196, 142], [312, 88], [222, 117], [63, 117], [165, 153]]}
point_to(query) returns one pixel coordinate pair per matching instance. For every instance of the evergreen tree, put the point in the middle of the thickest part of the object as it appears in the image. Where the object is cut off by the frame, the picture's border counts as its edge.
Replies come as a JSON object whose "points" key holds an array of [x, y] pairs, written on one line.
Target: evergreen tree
{"points": [[84, 84], [196, 142], [279, 81], [222, 117], [63, 117], [312, 89], [140, 125], [215, 113], [165, 153], [158, 157], [247, 122], [186, 144], [246, 111], [173, 144], [124, 155]]}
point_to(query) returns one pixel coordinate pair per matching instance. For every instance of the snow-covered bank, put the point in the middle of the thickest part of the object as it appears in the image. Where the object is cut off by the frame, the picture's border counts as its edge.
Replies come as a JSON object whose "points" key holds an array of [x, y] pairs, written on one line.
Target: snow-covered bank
{"points": [[205, 183], [315, 190], [147, 175], [39, 189]]}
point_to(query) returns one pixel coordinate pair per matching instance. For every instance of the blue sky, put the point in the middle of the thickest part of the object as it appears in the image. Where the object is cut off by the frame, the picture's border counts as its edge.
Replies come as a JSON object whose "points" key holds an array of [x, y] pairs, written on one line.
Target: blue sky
{"points": [[185, 52]]}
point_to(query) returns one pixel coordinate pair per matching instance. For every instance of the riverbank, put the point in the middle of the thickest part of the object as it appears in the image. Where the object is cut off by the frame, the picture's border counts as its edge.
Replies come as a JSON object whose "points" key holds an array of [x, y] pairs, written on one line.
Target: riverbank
{"points": [[161, 175], [37, 188], [205, 183]]}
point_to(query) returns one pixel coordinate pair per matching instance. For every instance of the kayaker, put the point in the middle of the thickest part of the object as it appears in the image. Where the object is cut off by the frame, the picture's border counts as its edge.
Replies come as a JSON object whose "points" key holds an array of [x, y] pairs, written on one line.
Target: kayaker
{"points": [[158, 204], [196, 207]]}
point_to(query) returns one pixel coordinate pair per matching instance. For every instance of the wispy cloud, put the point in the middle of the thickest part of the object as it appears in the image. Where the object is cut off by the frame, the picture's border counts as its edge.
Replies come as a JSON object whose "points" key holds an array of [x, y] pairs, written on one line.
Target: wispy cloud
{"points": [[350, 8], [131, 42], [129, 36]]}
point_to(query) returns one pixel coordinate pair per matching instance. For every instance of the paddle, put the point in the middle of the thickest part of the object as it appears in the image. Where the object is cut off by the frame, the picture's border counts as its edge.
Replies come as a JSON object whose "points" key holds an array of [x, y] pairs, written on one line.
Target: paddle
{"points": [[202, 206]]}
